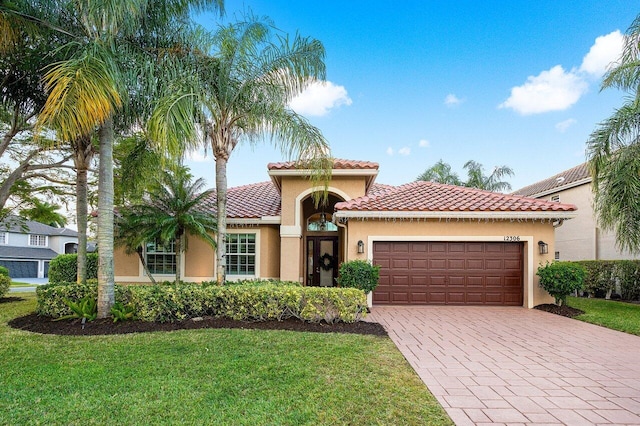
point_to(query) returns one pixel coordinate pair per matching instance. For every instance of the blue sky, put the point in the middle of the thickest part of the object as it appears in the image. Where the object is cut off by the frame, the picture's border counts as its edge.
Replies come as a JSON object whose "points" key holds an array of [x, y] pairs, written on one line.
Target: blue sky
{"points": [[512, 83]]}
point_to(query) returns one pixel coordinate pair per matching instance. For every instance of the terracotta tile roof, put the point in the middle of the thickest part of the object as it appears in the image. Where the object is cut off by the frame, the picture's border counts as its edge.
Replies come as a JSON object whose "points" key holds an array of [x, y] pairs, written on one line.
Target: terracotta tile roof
{"points": [[377, 188], [433, 197], [249, 201], [338, 163], [556, 182]]}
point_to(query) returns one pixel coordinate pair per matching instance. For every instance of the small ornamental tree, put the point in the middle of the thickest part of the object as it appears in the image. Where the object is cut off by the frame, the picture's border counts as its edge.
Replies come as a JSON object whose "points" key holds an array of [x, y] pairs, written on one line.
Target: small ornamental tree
{"points": [[359, 274], [560, 279]]}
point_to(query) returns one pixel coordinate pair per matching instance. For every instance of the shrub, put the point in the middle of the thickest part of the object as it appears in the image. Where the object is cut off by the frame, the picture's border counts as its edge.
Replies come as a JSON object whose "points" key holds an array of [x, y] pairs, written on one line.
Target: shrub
{"points": [[629, 279], [605, 276], [64, 267], [560, 279], [240, 302], [359, 274], [52, 298], [86, 308], [5, 282], [4, 271]]}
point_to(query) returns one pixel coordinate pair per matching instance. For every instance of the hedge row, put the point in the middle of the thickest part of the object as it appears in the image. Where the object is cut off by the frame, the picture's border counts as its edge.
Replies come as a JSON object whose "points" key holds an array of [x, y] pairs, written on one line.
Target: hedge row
{"points": [[605, 277], [64, 267], [238, 302]]}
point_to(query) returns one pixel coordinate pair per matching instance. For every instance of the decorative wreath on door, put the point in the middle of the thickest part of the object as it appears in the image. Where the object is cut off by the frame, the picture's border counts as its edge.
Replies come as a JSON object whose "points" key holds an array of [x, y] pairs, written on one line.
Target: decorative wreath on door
{"points": [[326, 262]]}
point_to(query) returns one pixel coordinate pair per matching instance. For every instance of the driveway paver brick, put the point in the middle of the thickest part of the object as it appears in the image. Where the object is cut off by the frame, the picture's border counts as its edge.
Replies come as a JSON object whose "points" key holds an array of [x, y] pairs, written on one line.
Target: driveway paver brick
{"points": [[508, 365]]}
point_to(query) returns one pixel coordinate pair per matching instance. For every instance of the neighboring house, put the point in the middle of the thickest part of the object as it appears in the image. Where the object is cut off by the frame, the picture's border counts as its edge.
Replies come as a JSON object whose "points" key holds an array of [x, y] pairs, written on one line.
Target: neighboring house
{"points": [[26, 247], [435, 243], [581, 238]]}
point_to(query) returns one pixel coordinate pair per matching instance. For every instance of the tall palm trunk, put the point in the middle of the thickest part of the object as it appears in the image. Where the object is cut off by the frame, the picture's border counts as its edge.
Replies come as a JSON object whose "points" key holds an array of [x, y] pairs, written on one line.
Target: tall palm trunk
{"points": [[221, 192], [106, 296], [81, 220], [82, 158]]}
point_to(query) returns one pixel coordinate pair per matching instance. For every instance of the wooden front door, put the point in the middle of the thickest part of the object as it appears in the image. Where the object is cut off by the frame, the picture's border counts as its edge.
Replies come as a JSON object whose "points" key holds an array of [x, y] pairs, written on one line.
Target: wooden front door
{"points": [[322, 261]]}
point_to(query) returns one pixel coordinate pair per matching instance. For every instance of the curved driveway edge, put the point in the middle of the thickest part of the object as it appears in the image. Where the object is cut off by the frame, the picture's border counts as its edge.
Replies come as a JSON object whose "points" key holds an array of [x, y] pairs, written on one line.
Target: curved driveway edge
{"points": [[495, 365]]}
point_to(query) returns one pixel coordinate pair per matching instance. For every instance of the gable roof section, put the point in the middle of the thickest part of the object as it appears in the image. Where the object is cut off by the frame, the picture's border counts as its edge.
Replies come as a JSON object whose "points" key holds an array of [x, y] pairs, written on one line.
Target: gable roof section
{"points": [[338, 164], [428, 199], [14, 224], [341, 167], [253, 201], [578, 175]]}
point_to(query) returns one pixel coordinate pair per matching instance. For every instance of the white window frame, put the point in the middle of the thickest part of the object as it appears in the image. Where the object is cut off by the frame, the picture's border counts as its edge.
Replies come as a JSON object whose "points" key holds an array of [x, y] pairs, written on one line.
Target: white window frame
{"points": [[5, 238], [160, 253], [256, 255], [38, 238], [555, 198]]}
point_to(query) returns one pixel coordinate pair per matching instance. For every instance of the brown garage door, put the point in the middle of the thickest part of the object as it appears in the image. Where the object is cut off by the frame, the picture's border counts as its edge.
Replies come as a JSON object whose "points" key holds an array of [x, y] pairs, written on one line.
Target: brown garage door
{"points": [[448, 273]]}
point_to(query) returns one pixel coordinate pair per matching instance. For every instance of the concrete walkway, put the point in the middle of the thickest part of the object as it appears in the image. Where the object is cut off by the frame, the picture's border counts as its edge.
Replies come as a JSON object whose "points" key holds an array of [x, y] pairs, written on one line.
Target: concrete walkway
{"points": [[490, 365]]}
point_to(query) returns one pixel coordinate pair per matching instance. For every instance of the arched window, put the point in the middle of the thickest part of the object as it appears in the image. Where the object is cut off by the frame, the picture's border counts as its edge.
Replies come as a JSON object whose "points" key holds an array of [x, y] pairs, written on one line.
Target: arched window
{"points": [[321, 222]]}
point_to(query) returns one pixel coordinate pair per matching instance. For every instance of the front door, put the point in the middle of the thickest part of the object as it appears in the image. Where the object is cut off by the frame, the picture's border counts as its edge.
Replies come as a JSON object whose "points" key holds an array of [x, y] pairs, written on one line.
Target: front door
{"points": [[322, 261]]}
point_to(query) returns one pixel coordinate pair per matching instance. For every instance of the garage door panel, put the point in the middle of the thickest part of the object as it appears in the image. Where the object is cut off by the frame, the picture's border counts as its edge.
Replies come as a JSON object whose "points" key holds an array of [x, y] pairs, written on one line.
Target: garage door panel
{"points": [[458, 273], [435, 264], [20, 268], [455, 264], [456, 298]]}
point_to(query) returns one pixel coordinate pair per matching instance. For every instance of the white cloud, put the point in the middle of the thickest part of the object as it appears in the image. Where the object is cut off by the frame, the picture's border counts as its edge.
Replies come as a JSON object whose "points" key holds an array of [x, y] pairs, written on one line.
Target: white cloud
{"points": [[605, 50], [557, 89], [389, 151], [564, 125], [199, 156], [552, 90], [424, 143], [405, 150], [319, 98], [452, 100]]}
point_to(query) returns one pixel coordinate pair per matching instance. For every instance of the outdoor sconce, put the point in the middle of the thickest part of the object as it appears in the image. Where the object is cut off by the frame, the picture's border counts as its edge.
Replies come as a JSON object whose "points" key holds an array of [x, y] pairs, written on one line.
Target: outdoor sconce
{"points": [[360, 247], [544, 247]]}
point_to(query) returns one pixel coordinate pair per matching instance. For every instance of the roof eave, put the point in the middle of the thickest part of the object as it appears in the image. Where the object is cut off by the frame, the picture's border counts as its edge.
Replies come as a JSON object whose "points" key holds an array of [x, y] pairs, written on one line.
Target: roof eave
{"points": [[555, 215], [561, 188]]}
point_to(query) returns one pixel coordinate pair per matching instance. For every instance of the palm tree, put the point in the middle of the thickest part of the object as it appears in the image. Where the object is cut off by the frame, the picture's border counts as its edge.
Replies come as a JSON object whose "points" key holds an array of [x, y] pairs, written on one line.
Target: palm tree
{"points": [[43, 212], [173, 208], [89, 89], [241, 94], [440, 173], [613, 150], [493, 182]]}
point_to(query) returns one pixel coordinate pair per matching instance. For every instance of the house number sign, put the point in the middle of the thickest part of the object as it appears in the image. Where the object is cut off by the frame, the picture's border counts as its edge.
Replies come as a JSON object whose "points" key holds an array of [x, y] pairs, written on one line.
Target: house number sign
{"points": [[512, 238]]}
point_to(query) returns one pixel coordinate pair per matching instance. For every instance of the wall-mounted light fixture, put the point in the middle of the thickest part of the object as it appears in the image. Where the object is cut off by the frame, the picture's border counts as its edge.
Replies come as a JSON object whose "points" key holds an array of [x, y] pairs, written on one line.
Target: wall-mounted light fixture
{"points": [[360, 247], [544, 247]]}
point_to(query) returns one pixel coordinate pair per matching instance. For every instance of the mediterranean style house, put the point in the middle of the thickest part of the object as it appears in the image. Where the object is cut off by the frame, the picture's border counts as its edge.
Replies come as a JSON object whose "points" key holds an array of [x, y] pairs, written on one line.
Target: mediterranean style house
{"points": [[436, 244], [581, 238], [26, 247]]}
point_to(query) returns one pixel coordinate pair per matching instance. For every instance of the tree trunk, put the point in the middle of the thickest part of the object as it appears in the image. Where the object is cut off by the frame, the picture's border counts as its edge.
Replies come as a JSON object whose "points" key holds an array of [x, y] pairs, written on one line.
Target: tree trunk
{"points": [[106, 296], [221, 193], [81, 220], [83, 152], [178, 251], [144, 265]]}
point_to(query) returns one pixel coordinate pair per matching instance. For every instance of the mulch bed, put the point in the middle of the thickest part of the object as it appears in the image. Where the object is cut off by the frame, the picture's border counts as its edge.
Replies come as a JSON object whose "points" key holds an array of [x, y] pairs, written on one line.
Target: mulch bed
{"points": [[44, 325], [565, 311], [10, 299]]}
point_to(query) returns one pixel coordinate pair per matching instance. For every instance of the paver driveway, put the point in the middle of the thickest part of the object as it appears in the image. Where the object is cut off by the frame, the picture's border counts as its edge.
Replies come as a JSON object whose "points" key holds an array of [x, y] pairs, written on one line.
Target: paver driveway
{"points": [[518, 366]]}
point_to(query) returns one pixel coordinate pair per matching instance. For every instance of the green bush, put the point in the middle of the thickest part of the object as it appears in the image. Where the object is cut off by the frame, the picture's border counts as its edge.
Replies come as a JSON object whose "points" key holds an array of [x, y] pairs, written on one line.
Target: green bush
{"points": [[359, 274], [64, 267], [256, 282], [4, 271], [240, 302], [560, 279], [52, 298], [5, 282], [606, 276]]}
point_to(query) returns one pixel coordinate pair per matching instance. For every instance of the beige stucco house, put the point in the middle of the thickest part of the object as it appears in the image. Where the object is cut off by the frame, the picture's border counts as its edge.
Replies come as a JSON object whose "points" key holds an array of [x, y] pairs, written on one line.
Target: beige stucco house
{"points": [[436, 244], [581, 238]]}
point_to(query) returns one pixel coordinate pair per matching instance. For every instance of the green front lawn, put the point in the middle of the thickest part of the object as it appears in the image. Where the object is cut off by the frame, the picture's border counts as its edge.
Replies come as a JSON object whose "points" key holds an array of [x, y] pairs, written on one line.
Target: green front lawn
{"points": [[222, 377], [608, 313]]}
